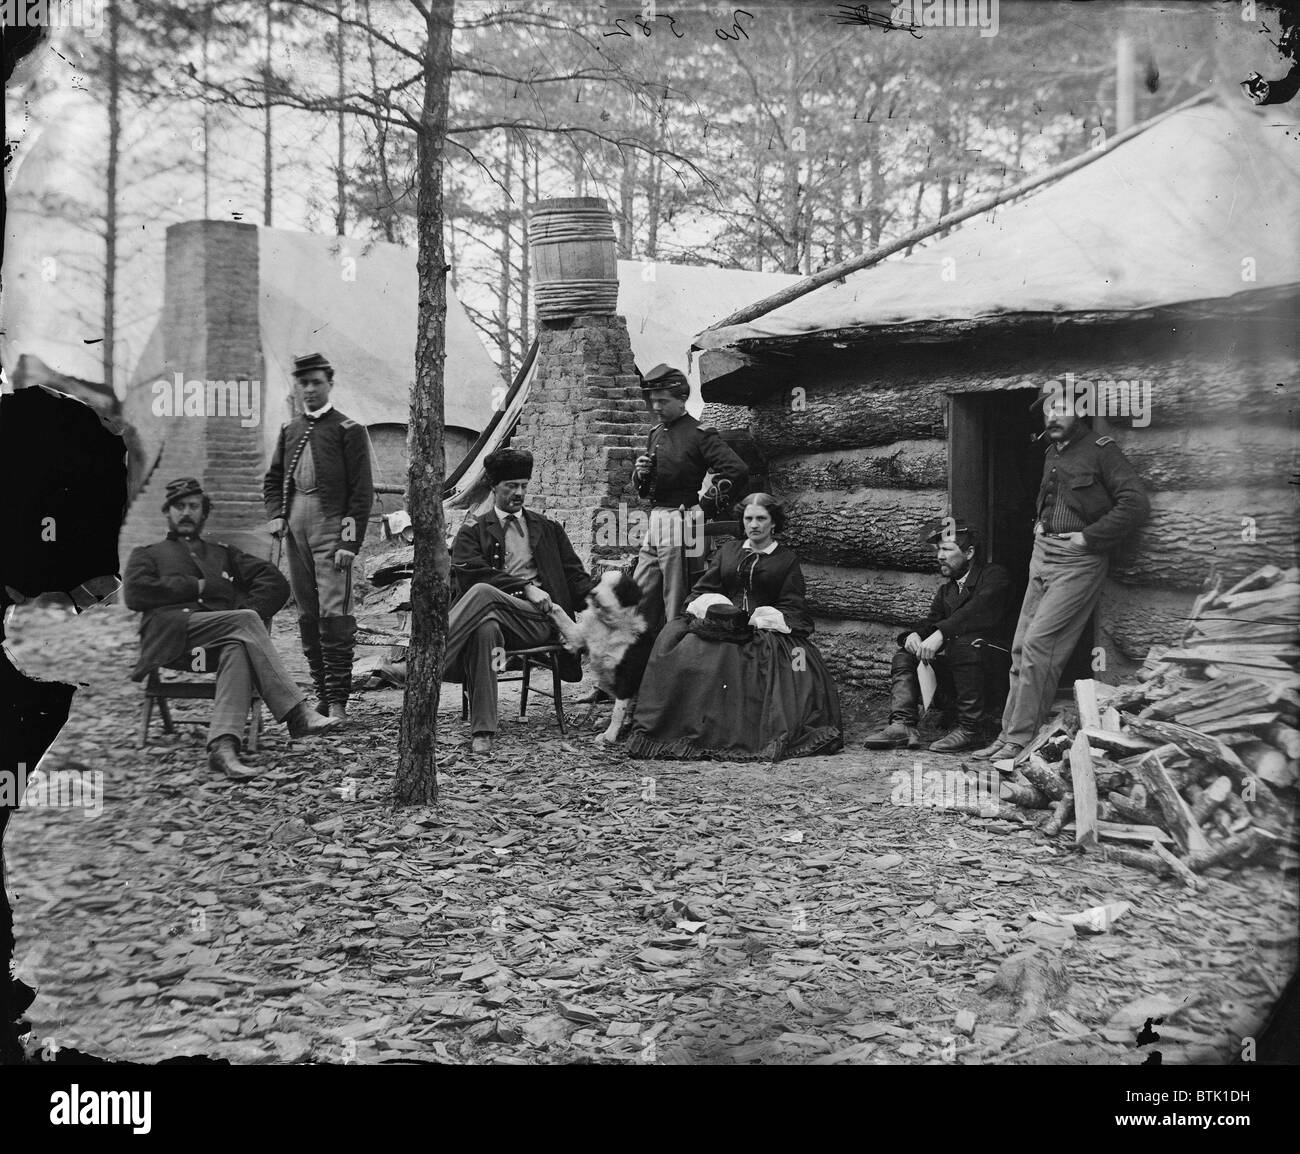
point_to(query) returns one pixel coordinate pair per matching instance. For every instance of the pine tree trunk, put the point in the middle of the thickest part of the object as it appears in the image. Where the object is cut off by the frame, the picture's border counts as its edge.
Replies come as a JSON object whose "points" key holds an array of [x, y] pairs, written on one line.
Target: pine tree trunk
{"points": [[341, 215], [417, 769], [266, 130], [503, 279], [110, 207], [385, 197]]}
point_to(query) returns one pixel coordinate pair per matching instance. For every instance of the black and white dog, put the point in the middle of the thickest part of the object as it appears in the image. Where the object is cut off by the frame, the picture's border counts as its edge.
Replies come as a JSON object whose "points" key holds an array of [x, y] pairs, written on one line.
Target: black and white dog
{"points": [[615, 635]]}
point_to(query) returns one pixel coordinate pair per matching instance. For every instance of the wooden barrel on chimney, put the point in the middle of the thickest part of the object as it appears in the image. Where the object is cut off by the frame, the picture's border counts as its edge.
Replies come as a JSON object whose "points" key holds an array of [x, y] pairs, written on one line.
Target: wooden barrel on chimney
{"points": [[575, 270]]}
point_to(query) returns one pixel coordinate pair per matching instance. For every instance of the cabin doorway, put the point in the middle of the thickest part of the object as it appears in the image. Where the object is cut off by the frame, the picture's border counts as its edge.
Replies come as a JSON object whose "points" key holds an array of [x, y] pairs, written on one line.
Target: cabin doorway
{"points": [[995, 465]]}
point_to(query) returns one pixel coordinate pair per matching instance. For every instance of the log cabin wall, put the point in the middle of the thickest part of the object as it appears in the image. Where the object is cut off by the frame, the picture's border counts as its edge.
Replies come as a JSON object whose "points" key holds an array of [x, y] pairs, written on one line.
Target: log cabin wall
{"points": [[861, 457]]}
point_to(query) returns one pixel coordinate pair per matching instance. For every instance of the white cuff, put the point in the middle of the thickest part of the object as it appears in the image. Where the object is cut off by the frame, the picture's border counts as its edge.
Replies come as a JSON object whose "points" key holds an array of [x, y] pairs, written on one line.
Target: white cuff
{"points": [[769, 617]]}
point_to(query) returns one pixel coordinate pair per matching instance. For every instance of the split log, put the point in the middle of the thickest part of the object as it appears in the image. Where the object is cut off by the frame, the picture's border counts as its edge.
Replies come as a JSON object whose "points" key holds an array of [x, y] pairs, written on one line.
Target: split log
{"points": [[1190, 742], [1221, 729], [1262, 578], [1137, 815], [1085, 791], [1085, 699], [990, 809], [1185, 875], [1281, 598], [1268, 764], [902, 465], [1043, 777], [1128, 832], [1135, 858], [1110, 719], [1277, 678], [1195, 697], [1062, 811], [1273, 657], [1125, 744], [1218, 630], [1286, 739], [1181, 823], [1244, 846], [1211, 798], [1025, 796]]}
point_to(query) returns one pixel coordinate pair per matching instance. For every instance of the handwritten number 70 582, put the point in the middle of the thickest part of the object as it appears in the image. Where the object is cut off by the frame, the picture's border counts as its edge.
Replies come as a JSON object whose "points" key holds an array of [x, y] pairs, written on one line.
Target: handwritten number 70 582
{"points": [[646, 27], [736, 32]]}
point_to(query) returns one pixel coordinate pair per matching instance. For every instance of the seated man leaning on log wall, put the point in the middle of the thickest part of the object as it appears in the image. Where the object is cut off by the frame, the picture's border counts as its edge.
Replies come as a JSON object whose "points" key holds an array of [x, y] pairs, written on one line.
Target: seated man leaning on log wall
{"points": [[964, 639]]}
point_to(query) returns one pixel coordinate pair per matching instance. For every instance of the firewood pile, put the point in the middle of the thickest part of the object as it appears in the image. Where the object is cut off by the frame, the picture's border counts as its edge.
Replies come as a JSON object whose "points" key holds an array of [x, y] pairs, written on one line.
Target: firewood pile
{"points": [[1195, 764]]}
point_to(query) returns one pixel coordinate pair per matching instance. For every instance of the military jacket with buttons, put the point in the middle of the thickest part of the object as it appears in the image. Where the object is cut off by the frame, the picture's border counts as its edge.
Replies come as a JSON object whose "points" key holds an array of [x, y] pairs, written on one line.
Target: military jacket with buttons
{"points": [[1090, 487], [340, 451], [162, 582], [683, 452]]}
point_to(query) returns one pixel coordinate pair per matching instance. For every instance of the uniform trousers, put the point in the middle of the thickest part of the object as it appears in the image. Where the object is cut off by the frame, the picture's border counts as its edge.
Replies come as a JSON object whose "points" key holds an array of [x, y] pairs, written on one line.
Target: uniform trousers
{"points": [[1065, 583], [665, 570], [247, 659], [319, 589], [482, 625]]}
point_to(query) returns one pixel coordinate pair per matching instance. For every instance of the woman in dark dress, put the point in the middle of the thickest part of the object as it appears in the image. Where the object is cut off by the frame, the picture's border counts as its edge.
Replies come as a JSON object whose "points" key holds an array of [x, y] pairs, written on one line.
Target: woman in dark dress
{"points": [[757, 693]]}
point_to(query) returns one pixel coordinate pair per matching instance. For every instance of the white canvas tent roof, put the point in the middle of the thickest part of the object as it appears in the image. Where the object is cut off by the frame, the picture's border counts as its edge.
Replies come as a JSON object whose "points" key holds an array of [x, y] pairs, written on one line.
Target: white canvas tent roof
{"points": [[1168, 217], [363, 319]]}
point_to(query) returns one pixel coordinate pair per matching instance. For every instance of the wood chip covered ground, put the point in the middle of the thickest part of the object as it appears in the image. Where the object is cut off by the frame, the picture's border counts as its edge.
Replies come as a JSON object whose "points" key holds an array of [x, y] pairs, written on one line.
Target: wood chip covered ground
{"points": [[562, 904]]}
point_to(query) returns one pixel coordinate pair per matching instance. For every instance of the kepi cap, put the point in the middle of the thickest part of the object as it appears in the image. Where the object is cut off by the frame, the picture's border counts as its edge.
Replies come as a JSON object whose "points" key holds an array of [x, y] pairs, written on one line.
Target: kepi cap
{"points": [[309, 363], [180, 488]]}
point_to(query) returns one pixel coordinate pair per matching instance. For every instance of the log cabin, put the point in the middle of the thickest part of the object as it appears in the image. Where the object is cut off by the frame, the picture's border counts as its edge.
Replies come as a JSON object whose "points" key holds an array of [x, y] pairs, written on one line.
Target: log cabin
{"points": [[1170, 266]]}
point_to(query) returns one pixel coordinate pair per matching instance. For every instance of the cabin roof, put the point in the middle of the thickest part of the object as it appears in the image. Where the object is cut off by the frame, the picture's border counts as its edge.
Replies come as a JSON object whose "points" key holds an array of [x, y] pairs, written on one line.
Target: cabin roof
{"points": [[1168, 218]]}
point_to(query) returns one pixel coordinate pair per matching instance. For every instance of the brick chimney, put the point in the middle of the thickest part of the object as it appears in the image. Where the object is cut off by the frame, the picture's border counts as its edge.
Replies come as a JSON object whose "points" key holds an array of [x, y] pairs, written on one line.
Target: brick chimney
{"points": [[585, 422], [210, 332]]}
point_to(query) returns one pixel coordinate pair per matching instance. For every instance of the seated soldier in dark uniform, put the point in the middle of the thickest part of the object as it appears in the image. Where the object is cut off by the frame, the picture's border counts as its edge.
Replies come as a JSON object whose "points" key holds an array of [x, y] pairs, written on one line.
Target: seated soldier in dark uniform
{"points": [[199, 595], [963, 639]]}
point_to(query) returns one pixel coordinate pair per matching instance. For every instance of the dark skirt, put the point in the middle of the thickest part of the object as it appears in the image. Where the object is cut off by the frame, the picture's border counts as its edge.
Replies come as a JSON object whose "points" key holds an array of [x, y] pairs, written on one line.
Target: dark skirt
{"points": [[760, 700]]}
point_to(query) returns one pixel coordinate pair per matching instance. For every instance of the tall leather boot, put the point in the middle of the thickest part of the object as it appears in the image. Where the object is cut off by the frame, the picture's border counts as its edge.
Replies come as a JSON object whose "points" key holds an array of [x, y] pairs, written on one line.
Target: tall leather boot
{"points": [[337, 641], [309, 631], [966, 669]]}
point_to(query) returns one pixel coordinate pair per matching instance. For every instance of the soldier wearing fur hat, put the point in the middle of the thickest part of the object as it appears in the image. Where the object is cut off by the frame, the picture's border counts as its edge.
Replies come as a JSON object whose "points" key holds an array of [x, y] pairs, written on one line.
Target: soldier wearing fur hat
{"points": [[512, 566], [670, 474], [318, 493], [211, 597]]}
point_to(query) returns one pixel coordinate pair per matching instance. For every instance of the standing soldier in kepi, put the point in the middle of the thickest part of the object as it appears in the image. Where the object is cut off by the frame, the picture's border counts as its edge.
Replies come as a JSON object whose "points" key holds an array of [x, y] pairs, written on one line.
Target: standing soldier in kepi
{"points": [[318, 491], [669, 475], [1090, 500]]}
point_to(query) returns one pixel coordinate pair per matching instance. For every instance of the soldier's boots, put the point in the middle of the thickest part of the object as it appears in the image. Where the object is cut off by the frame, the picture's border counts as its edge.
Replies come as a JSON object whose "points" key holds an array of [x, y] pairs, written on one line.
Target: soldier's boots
{"points": [[223, 756], [337, 640], [309, 631], [895, 735], [304, 721], [957, 741]]}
